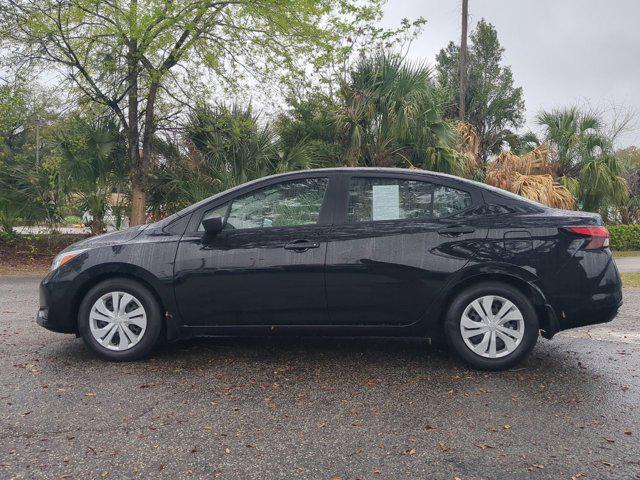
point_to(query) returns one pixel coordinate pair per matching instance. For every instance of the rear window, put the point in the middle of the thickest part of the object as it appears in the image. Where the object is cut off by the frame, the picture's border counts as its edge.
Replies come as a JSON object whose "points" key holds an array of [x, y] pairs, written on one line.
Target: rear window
{"points": [[377, 199]]}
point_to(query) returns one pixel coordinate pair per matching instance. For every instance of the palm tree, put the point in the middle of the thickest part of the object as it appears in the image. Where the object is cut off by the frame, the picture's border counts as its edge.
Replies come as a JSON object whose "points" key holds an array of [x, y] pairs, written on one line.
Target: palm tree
{"points": [[225, 147], [28, 184], [583, 158], [93, 164], [236, 147], [391, 115]]}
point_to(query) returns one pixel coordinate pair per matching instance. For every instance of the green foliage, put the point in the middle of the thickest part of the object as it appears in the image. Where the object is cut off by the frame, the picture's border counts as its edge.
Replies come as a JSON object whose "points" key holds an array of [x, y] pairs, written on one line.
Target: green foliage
{"points": [[629, 158], [12, 117], [387, 113], [225, 147], [92, 163], [493, 105], [312, 121], [28, 190], [72, 220], [583, 158], [624, 237], [274, 39], [393, 116]]}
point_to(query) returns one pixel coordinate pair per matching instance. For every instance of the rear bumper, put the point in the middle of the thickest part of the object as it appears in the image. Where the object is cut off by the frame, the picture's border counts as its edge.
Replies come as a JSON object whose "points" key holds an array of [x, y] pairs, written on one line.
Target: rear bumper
{"points": [[591, 293], [591, 316], [554, 325]]}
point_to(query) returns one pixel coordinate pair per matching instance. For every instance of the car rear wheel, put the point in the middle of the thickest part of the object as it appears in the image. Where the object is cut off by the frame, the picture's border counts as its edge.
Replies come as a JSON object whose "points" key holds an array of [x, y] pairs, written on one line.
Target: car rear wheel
{"points": [[491, 326], [119, 319]]}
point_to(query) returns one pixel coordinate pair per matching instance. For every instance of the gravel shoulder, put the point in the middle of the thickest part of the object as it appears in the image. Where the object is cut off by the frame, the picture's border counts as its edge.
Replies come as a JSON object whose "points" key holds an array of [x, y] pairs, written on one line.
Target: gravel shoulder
{"points": [[315, 408]]}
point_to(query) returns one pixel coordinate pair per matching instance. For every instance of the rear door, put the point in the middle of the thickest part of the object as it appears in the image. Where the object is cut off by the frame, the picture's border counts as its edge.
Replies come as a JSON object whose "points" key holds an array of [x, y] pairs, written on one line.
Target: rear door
{"points": [[398, 240], [267, 264]]}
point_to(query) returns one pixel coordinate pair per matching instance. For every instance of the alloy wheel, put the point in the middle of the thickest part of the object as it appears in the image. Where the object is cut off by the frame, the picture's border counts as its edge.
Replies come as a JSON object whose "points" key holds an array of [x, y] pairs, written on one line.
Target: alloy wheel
{"points": [[117, 320], [492, 326]]}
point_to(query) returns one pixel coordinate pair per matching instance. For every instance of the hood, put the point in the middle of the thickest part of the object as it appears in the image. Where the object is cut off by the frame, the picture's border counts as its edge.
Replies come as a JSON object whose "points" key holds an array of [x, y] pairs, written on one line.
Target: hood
{"points": [[105, 239]]}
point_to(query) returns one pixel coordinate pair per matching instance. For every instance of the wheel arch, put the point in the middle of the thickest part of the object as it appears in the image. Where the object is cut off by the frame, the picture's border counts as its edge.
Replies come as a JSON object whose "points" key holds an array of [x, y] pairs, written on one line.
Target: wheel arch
{"points": [[103, 272], [523, 282]]}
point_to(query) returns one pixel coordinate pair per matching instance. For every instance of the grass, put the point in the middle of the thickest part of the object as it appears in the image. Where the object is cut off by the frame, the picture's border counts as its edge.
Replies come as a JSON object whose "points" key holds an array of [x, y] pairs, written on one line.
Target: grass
{"points": [[72, 220], [630, 279], [626, 253]]}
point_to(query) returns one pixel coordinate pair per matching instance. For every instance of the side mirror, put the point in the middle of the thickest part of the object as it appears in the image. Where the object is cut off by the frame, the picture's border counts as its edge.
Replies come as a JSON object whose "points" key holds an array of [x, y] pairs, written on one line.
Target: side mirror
{"points": [[213, 225]]}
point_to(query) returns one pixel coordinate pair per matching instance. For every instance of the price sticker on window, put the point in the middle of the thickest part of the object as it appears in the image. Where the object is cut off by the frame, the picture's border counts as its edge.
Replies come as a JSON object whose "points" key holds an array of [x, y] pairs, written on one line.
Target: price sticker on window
{"points": [[386, 202]]}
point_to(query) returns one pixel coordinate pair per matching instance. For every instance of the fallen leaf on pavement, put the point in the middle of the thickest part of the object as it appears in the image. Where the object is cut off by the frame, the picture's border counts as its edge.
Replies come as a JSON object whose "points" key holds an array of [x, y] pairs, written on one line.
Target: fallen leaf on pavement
{"points": [[485, 446]]}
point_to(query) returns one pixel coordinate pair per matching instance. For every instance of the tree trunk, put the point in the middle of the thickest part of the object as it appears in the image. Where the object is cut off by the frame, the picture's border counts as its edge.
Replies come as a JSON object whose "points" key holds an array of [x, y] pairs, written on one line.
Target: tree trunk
{"points": [[138, 204], [146, 155], [463, 61], [138, 196]]}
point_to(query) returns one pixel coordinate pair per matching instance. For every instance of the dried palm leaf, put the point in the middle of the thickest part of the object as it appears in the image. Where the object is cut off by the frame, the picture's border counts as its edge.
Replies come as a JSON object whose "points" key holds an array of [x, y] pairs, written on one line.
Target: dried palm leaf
{"points": [[529, 175], [469, 139], [543, 189], [469, 147], [533, 163]]}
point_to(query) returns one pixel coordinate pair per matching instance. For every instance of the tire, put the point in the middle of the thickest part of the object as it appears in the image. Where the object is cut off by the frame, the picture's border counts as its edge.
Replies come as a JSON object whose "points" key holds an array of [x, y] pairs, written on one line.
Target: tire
{"points": [[491, 342], [128, 332]]}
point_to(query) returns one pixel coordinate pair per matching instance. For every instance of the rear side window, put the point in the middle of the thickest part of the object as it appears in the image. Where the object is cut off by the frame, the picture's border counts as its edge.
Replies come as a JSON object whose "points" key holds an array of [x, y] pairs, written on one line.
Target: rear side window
{"points": [[373, 199], [285, 204]]}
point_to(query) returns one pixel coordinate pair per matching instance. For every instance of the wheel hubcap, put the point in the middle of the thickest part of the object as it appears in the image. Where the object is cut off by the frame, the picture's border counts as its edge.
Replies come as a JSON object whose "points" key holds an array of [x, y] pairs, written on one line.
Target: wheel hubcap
{"points": [[117, 320], [492, 326]]}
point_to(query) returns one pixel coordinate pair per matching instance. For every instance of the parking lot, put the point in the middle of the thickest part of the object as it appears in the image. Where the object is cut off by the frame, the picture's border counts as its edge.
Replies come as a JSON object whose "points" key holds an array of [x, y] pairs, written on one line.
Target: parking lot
{"points": [[315, 408]]}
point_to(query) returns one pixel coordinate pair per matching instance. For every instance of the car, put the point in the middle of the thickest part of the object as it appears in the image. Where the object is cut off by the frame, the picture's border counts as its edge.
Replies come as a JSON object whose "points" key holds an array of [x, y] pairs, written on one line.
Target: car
{"points": [[347, 252]]}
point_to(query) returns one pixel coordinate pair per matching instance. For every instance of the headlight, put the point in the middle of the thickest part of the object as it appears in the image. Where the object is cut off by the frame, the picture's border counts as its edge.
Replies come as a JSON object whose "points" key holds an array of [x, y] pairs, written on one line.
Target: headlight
{"points": [[64, 257]]}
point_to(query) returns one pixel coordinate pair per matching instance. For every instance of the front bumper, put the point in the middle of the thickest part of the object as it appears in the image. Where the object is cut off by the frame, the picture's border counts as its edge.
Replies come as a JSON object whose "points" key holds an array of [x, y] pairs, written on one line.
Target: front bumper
{"points": [[56, 311]]}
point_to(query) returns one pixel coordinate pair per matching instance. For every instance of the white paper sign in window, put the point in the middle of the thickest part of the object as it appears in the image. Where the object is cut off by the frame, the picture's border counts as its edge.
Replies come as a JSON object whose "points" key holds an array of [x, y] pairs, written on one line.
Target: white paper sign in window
{"points": [[386, 202]]}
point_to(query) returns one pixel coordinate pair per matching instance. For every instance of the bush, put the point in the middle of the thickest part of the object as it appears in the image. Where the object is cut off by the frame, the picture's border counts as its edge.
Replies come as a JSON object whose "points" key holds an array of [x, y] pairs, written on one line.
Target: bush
{"points": [[625, 237]]}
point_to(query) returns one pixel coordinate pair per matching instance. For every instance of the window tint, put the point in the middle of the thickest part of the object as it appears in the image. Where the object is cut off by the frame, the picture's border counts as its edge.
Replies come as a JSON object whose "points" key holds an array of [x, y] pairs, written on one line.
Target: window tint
{"points": [[372, 199], [297, 202]]}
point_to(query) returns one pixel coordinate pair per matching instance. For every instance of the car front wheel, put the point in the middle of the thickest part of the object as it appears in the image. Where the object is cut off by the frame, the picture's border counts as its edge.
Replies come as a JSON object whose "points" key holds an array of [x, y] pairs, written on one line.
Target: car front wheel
{"points": [[119, 319], [491, 326]]}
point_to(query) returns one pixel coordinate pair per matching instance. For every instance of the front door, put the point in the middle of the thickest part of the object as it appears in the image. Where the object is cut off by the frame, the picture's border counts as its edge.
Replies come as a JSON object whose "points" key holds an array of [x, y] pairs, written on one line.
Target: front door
{"points": [[398, 243], [266, 267]]}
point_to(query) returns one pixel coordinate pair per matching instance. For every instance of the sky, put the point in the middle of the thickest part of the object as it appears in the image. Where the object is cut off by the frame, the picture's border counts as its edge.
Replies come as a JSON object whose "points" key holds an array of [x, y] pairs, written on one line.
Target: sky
{"points": [[562, 52]]}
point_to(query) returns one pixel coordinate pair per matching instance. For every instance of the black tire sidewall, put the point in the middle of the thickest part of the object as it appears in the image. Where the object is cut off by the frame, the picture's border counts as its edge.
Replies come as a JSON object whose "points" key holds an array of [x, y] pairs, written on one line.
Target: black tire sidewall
{"points": [[154, 324], [454, 315]]}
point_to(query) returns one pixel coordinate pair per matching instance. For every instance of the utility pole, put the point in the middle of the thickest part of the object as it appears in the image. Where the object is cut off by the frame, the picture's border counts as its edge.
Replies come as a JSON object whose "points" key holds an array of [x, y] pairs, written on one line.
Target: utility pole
{"points": [[463, 60]]}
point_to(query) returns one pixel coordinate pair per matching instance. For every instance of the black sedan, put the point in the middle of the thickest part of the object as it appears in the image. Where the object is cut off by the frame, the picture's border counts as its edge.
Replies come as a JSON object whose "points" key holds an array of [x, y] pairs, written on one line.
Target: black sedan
{"points": [[384, 252]]}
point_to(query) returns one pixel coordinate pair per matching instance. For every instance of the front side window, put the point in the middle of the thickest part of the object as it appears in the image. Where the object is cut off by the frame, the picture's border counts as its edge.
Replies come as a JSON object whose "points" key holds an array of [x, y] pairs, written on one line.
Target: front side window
{"points": [[373, 199], [293, 203]]}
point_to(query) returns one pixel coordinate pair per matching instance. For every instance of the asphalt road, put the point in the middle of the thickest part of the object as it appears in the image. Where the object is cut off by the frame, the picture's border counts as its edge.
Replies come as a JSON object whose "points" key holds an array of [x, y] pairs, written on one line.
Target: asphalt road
{"points": [[315, 408], [628, 264]]}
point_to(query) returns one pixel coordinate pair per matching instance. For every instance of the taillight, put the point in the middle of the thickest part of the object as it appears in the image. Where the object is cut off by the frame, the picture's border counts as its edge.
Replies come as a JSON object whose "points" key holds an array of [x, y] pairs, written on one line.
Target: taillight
{"points": [[599, 236]]}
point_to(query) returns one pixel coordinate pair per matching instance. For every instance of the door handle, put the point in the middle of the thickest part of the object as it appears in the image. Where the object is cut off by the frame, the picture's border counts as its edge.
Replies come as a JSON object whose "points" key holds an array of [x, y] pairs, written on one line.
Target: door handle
{"points": [[455, 230], [301, 245]]}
